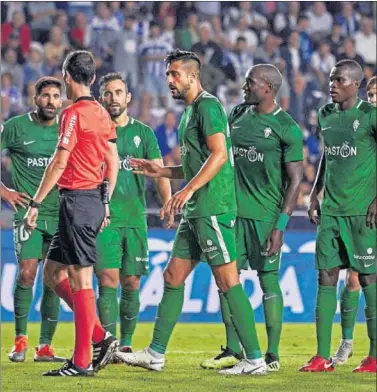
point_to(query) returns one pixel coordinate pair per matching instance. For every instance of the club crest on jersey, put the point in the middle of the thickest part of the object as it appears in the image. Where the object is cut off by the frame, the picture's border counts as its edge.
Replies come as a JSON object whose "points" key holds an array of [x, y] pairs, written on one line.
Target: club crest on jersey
{"points": [[267, 132], [356, 125], [137, 141]]}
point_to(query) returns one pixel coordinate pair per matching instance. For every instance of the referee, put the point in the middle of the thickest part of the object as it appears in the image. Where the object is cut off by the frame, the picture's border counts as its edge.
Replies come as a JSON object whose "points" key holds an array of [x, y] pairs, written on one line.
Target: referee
{"points": [[87, 140]]}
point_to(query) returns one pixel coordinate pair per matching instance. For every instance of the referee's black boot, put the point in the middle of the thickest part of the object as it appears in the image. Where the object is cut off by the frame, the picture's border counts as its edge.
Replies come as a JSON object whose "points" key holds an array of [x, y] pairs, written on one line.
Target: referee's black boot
{"points": [[69, 369], [103, 351]]}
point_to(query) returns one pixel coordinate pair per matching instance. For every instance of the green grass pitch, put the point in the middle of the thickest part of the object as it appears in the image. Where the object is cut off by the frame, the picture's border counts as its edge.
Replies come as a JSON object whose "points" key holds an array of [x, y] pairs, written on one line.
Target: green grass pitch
{"points": [[190, 344]]}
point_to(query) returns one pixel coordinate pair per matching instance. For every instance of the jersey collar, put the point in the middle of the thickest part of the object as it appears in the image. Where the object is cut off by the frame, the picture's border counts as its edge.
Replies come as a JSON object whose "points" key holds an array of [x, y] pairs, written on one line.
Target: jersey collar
{"points": [[357, 105], [85, 98]]}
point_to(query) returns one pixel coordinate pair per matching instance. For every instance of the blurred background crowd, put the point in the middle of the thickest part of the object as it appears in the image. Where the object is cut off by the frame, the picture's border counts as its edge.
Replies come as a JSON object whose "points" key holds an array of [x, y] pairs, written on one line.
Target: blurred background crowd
{"points": [[303, 39]]}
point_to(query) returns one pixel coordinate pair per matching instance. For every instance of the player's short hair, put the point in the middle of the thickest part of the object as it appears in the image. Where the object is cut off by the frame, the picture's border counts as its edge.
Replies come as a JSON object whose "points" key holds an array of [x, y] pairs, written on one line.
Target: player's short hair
{"points": [[371, 83], [81, 66], [47, 81], [109, 78], [184, 56], [270, 74], [353, 67]]}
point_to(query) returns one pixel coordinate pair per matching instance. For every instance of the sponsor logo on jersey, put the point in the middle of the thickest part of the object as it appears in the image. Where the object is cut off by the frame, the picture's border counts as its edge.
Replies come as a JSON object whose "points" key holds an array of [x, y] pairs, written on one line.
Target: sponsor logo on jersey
{"points": [[38, 162], [344, 150], [68, 133], [356, 125], [251, 153], [267, 132], [369, 255], [124, 164], [137, 141]]}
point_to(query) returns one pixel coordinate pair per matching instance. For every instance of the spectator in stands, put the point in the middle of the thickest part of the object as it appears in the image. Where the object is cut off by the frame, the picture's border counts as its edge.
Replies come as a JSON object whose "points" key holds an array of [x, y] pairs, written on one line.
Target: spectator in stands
{"points": [[267, 53], [13, 96], [62, 22], [168, 32], [219, 35], [164, 9], [143, 18], [188, 36], [306, 43], [126, 47], [117, 12], [284, 23], [153, 53], [297, 99], [42, 13], [207, 9], [102, 69], [320, 21], [283, 97], [34, 68], [17, 27], [103, 28], [10, 65], [335, 39], [348, 51], [242, 30], [365, 40], [167, 135], [348, 19], [210, 76], [55, 49], [29, 103], [80, 32], [213, 54], [255, 20], [241, 59], [292, 56], [322, 63]]}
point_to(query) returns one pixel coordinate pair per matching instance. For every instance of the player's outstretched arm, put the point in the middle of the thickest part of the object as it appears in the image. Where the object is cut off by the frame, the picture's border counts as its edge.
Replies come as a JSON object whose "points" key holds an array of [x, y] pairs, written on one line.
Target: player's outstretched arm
{"points": [[14, 198], [295, 172], [164, 189], [150, 168], [316, 190], [218, 156], [112, 166]]}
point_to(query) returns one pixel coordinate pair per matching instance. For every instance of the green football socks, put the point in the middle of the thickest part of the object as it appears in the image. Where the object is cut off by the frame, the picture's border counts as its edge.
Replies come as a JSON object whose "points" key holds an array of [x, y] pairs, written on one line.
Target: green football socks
{"points": [[325, 311], [23, 296], [50, 307], [370, 316], [168, 313], [129, 312], [349, 305], [107, 304]]}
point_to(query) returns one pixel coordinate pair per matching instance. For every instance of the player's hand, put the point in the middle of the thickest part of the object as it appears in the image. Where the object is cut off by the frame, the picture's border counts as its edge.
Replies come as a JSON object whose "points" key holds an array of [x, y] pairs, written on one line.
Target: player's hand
{"points": [[169, 217], [146, 167], [372, 215], [106, 219], [175, 205], [274, 242], [314, 211], [15, 198], [30, 219]]}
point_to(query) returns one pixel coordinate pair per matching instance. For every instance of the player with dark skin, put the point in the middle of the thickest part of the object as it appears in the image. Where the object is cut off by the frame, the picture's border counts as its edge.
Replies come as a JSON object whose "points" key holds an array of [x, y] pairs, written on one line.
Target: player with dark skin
{"points": [[354, 227]]}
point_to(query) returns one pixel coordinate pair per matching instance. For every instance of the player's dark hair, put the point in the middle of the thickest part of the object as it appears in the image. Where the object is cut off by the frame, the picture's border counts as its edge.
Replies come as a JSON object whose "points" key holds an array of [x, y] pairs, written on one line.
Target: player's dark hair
{"points": [[354, 68], [371, 83], [182, 55], [81, 66], [47, 81], [111, 77]]}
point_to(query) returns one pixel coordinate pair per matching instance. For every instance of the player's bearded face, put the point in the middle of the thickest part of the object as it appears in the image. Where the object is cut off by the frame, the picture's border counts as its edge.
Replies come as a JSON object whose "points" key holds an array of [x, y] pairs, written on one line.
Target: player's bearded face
{"points": [[48, 102], [115, 98]]}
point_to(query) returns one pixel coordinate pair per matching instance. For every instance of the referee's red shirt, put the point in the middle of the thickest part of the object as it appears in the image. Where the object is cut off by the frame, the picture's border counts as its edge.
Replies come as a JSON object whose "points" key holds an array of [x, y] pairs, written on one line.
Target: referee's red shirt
{"points": [[84, 129]]}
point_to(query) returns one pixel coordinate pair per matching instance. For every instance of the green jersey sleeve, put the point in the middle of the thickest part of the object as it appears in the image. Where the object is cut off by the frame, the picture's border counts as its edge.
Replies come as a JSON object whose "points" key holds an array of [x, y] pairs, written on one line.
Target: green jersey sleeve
{"points": [[152, 148], [212, 117], [293, 144], [9, 134]]}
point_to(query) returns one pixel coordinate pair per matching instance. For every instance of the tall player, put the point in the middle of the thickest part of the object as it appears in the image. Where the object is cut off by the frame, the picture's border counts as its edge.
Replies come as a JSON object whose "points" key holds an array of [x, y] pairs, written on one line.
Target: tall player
{"points": [[206, 231], [346, 220], [31, 139], [123, 247], [350, 296], [268, 154], [87, 140]]}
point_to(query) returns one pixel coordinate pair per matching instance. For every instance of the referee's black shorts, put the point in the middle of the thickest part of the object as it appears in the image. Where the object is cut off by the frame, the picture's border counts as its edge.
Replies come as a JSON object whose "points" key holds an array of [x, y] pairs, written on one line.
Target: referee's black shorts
{"points": [[81, 214]]}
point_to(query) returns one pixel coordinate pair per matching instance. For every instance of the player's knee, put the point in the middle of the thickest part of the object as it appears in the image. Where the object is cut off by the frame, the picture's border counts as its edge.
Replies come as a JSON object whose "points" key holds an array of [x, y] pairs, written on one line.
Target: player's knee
{"points": [[328, 277], [366, 280], [26, 276], [352, 281], [172, 278], [108, 278], [131, 283]]}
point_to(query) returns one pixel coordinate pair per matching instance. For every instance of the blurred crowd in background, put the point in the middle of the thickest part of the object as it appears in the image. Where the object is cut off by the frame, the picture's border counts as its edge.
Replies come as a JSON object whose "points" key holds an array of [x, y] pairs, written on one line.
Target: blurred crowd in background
{"points": [[303, 39]]}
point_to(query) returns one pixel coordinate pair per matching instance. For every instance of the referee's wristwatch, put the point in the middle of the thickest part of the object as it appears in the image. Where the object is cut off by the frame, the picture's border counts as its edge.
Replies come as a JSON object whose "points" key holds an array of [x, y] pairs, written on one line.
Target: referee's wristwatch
{"points": [[34, 204]]}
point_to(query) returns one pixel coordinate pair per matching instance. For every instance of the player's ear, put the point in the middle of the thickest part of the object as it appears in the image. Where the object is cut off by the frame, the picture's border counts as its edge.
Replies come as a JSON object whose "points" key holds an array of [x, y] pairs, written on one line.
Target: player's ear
{"points": [[128, 98], [35, 99], [93, 80]]}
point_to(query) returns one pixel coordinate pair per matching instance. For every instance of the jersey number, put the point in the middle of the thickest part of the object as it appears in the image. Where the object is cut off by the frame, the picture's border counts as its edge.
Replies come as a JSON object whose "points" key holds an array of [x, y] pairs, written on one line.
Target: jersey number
{"points": [[20, 234]]}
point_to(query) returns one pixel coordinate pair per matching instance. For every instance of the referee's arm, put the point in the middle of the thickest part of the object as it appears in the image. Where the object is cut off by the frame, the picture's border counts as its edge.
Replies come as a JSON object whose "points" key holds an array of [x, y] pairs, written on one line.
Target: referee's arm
{"points": [[112, 165]]}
